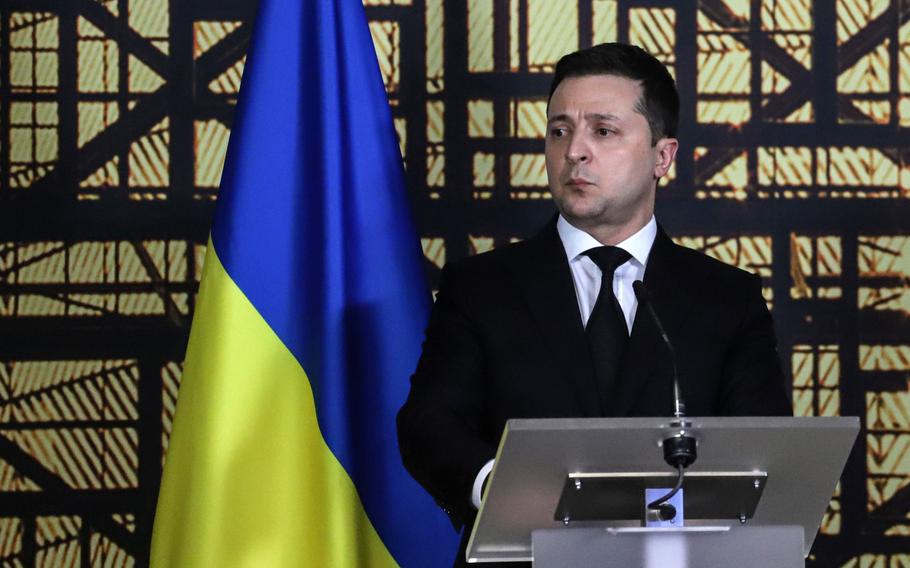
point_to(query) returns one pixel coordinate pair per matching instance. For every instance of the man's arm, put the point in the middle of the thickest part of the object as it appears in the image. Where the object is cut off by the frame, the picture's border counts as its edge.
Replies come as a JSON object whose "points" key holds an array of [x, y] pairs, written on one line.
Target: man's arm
{"points": [[755, 383], [440, 424]]}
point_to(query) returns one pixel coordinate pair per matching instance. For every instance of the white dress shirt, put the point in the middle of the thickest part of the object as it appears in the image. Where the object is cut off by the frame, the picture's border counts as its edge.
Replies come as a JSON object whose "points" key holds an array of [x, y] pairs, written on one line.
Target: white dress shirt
{"points": [[587, 276]]}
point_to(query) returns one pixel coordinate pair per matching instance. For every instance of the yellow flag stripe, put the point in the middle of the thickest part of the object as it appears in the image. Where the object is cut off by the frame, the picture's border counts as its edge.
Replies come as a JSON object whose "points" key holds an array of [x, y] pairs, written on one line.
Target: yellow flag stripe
{"points": [[250, 480]]}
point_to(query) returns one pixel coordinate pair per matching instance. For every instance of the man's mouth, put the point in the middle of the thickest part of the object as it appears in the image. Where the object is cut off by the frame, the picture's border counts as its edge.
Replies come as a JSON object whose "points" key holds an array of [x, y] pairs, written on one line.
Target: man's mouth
{"points": [[579, 182]]}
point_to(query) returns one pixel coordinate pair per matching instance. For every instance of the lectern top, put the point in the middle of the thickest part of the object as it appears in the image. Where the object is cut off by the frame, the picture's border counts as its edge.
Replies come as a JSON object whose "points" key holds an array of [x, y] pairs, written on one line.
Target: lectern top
{"points": [[802, 457]]}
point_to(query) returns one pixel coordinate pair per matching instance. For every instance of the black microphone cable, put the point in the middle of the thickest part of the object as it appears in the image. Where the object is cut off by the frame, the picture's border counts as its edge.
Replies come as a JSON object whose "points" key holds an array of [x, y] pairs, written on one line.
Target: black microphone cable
{"points": [[666, 511]]}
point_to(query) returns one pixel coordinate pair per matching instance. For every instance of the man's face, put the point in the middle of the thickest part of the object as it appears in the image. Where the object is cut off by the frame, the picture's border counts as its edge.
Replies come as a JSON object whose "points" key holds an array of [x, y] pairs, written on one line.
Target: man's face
{"points": [[601, 166]]}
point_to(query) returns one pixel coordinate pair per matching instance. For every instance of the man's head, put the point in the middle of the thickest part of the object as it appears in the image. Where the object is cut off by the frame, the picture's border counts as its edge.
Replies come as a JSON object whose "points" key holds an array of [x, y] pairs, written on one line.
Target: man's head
{"points": [[609, 141], [659, 103]]}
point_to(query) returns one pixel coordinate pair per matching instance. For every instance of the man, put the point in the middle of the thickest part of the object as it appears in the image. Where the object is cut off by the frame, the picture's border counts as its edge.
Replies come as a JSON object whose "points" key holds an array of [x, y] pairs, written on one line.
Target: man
{"points": [[527, 331]]}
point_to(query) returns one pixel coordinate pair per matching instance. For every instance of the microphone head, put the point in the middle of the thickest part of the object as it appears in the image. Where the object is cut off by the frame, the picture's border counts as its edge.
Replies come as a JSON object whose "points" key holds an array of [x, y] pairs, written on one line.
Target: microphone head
{"points": [[641, 293]]}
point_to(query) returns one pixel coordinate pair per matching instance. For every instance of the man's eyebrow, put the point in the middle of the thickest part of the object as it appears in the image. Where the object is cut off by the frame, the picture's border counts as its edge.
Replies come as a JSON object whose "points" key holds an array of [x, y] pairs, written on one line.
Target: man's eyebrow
{"points": [[591, 116], [601, 116]]}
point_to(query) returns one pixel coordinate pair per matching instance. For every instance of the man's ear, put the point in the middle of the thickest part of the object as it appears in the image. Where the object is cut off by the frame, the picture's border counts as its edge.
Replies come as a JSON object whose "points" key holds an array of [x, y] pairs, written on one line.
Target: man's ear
{"points": [[666, 155]]}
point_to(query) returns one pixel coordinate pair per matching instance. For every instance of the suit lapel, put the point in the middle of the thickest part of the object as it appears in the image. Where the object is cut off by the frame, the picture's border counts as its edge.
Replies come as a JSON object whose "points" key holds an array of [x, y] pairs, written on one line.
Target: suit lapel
{"points": [[542, 275], [647, 366]]}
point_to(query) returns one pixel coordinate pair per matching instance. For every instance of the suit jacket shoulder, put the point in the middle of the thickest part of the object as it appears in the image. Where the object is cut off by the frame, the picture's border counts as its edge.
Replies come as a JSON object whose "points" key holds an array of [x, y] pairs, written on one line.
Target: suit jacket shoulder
{"points": [[542, 249], [722, 331]]}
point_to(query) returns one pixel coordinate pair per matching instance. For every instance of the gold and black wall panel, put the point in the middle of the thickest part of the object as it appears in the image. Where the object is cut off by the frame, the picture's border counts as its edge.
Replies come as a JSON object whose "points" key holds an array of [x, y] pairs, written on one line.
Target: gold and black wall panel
{"points": [[114, 121]]}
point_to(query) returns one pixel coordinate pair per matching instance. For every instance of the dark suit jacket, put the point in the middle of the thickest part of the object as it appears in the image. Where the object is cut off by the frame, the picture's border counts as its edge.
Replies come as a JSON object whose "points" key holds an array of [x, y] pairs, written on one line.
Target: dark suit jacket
{"points": [[505, 340]]}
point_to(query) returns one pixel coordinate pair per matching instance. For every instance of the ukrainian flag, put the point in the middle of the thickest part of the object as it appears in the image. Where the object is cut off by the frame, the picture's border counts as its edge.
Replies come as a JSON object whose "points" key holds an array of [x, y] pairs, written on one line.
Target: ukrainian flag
{"points": [[308, 323]]}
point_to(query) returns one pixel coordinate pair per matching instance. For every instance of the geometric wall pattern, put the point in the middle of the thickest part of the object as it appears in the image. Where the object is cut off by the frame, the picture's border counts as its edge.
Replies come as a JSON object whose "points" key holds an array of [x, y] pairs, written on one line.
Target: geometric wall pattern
{"points": [[115, 117]]}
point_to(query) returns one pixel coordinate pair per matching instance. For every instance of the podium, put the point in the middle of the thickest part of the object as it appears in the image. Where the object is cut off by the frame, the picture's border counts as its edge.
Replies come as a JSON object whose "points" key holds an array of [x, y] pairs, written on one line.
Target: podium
{"points": [[571, 492]]}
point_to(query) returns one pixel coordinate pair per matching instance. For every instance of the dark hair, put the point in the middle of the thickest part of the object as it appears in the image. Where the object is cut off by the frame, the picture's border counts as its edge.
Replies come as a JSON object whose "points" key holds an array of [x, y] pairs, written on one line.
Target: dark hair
{"points": [[659, 102]]}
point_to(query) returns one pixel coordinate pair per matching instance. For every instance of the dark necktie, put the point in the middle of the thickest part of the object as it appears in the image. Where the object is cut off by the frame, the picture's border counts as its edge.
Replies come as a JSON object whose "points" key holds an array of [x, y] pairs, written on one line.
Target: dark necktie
{"points": [[606, 330]]}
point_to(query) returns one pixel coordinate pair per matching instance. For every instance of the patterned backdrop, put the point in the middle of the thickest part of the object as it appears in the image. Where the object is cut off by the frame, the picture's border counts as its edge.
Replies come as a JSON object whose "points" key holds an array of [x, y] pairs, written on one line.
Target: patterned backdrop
{"points": [[115, 116]]}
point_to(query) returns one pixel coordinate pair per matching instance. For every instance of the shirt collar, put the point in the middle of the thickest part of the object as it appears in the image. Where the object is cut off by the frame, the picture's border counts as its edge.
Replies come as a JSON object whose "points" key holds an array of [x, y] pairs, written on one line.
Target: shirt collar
{"points": [[576, 242]]}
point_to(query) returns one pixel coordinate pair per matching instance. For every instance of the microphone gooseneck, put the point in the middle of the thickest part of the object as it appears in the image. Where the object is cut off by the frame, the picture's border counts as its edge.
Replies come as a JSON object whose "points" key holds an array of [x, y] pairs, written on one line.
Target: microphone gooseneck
{"points": [[644, 299], [679, 449]]}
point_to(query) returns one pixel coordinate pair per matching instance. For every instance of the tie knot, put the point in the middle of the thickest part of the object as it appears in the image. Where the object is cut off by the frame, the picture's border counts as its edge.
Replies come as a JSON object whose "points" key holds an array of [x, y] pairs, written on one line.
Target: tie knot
{"points": [[608, 258]]}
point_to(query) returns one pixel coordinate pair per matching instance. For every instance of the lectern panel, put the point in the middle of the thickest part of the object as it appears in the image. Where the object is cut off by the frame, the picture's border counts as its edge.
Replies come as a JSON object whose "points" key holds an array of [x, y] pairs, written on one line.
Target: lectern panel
{"points": [[709, 495]]}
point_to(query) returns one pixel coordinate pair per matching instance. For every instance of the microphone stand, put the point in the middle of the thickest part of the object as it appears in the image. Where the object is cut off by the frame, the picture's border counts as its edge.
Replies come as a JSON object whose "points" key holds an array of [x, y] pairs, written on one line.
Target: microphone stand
{"points": [[679, 449]]}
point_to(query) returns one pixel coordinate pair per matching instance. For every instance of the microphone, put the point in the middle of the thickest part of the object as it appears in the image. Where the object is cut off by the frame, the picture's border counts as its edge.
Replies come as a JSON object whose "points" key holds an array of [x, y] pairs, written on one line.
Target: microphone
{"points": [[679, 449]]}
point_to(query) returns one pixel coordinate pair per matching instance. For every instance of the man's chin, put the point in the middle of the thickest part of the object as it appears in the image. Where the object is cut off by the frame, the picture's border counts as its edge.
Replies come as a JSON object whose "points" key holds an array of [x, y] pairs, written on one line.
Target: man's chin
{"points": [[587, 214], [583, 216]]}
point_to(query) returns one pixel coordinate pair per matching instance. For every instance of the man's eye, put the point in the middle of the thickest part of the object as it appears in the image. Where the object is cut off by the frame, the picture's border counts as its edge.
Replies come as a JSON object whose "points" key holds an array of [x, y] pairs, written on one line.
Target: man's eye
{"points": [[558, 132], [604, 132]]}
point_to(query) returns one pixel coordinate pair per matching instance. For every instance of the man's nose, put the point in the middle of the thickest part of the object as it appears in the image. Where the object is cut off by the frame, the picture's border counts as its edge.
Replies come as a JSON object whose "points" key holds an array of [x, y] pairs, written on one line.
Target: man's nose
{"points": [[577, 150]]}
